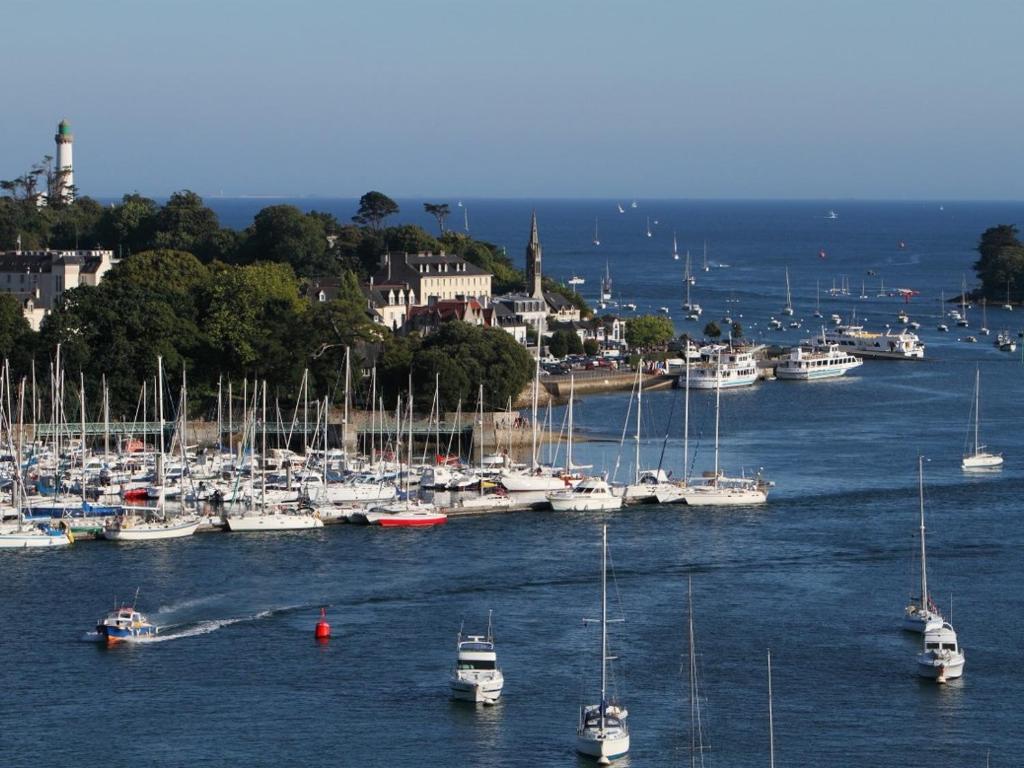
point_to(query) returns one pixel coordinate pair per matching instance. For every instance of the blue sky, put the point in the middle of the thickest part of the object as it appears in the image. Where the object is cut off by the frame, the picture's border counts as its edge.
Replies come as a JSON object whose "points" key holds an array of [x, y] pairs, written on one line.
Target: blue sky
{"points": [[523, 98]]}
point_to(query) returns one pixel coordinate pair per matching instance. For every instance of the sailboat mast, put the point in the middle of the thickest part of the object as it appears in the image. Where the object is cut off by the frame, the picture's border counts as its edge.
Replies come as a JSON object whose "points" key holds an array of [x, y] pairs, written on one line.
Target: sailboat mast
{"points": [[639, 402], [568, 445], [771, 722], [977, 406], [693, 677], [924, 567], [686, 416], [604, 620], [718, 403], [533, 419]]}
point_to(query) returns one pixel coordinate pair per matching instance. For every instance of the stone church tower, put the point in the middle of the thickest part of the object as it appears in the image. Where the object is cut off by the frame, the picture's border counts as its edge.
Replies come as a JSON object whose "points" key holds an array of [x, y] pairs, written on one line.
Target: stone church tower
{"points": [[533, 258]]}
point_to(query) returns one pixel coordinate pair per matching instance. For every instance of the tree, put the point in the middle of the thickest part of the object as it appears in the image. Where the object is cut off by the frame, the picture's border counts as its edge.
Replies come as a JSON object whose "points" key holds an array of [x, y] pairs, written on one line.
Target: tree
{"points": [[130, 225], [591, 348], [712, 331], [186, 224], [283, 233], [439, 211], [374, 208], [16, 335], [1001, 265], [409, 238], [464, 356], [737, 329], [557, 345], [649, 331]]}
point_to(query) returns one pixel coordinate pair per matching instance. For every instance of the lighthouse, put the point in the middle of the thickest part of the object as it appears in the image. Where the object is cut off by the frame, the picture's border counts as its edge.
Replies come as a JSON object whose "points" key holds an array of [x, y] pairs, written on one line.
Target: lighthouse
{"points": [[64, 178]]}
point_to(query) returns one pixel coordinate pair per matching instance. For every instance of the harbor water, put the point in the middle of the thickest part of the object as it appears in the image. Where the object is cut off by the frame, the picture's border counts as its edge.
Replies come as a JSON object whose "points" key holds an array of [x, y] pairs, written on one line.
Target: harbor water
{"points": [[819, 575]]}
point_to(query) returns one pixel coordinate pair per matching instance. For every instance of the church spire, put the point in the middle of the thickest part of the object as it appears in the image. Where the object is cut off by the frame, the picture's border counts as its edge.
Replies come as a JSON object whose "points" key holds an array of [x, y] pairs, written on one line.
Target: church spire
{"points": [[533, 261]]}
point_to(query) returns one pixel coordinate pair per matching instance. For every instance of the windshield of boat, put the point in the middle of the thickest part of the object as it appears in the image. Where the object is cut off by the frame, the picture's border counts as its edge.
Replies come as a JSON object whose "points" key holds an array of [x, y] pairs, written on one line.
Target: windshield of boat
{"points": [[476, 664]]}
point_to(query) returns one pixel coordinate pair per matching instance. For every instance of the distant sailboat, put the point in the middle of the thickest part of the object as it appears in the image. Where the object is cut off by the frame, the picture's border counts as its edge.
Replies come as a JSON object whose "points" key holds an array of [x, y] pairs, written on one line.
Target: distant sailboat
{"points": [[459, 203], [465, 219], [633, 204], [621, 209], [832, 215], [606, 284], [597, 238], [788, 309], [817, 298], [979, 458], [675, 247], [706, 267], [648, 230]]}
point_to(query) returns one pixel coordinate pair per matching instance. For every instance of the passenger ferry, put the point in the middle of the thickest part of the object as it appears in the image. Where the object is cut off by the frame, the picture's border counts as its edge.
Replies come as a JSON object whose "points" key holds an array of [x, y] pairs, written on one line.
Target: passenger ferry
{"points": [[810, 363], [902, 345], [724, 366]]}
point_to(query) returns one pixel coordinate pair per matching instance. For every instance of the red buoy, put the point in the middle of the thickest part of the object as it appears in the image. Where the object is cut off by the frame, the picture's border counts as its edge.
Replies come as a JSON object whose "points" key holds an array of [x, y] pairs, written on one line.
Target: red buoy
{"points": [[323, 629]]}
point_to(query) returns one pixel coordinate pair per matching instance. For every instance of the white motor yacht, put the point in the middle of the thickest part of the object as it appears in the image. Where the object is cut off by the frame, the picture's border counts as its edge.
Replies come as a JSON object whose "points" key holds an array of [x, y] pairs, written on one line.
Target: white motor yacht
{"points": [[476, 676], [816, 362], [942, 658], [591, 494]]}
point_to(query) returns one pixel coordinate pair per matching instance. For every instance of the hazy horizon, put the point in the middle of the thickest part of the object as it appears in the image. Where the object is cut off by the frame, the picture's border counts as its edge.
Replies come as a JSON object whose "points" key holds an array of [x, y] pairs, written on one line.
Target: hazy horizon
{"points": [[544, 100]]}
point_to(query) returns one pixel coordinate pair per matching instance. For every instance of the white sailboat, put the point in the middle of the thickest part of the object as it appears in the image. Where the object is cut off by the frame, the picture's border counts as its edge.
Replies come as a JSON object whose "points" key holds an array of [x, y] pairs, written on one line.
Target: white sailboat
{"points": [[984, 331], [921, 615], [697, 746], [621, 209], [465, 218], [648, 230], [788, 309], [675, 247], [602, 731], [597, 238], [979, 457], [648, 484], [962, 320], [942, 327], [606, 283], [706, 267], [817, 299], [719, 489]]}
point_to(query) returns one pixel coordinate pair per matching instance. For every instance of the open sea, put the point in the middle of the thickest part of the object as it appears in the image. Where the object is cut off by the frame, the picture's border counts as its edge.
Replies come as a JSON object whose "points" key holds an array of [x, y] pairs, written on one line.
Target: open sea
{"points": [[819, 575]]}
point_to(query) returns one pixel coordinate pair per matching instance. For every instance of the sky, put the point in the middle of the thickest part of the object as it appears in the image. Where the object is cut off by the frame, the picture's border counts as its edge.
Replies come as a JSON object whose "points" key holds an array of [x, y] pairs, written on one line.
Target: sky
{"points": [[823, 99]]}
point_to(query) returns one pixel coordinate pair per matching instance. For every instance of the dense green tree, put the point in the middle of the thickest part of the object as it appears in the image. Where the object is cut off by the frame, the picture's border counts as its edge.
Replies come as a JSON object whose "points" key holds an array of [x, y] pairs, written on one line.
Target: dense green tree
{"points": [[409, 238], [439, 211], [1001, 263], [374, 208], [16, 337], [649, 331], [184, 223], [129, 226], [737, 329], [75, 224], [712, 331], [591, 347], [465, 356], [283, 233]]}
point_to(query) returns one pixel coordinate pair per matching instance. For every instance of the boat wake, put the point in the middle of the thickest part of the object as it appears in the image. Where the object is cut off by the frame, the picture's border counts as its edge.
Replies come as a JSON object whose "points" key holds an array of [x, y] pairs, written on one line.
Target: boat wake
{"points": [[180, 631]]}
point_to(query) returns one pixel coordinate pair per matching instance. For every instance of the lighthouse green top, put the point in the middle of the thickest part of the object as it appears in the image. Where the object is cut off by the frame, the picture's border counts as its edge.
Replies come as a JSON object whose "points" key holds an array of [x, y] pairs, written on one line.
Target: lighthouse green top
{"points": [[64, 129]]}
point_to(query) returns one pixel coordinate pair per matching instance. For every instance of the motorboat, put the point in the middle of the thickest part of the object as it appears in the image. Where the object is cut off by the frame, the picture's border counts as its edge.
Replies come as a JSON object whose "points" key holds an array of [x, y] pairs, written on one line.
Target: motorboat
{"points": [[902, 345], [476, 676], [921, 614], [979, 457], [593, 493], [942, 658], [724, 366], [125, 624], [816, 362], [602, 731]]}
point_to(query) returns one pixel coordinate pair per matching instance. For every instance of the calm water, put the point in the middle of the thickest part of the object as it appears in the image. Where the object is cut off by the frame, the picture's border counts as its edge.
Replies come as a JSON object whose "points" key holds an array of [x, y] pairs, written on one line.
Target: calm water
{"points": [[819, 575]]}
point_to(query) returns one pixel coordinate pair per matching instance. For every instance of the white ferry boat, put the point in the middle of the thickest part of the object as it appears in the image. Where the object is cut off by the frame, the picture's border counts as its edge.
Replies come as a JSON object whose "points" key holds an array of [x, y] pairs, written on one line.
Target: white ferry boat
{"points": [[721, 365], [810, 363], [901, 345]]}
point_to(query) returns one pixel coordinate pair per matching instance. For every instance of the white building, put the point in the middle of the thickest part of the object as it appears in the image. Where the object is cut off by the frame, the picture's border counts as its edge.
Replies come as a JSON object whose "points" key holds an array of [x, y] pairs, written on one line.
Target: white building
{"points": [[39, 278]]}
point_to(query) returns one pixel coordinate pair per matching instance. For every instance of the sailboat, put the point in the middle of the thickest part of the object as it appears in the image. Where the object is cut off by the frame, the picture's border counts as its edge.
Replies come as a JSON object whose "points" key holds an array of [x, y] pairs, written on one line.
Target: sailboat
{"points": [[697, 747], [606, 283], [1008, 306], [648, 230], [942, 327], [465, 218], [675, 247], [602, 731], [788, 309], [979, 458], [597, 238], [921, 615], [633, 204], [647, 483], [719, 489], [817, 299], [621, 209], [962, 320], [688, 276], [706, 267], [984, 331]]}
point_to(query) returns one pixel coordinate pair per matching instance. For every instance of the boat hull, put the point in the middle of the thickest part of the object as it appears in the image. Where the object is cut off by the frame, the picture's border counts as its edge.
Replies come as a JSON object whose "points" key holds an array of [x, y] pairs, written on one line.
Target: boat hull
{"points": [[249, 523], [921, 621], [476, 691], [940, 670], [982, 461], [409, 521], [33, 540], [584, 504], [723, 497], [152, 531], [605, 747]]}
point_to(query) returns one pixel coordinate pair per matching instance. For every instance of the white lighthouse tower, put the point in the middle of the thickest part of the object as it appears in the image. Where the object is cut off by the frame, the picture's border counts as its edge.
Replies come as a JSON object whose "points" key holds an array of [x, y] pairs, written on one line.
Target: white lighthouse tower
{"points": [[64, 178]]}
